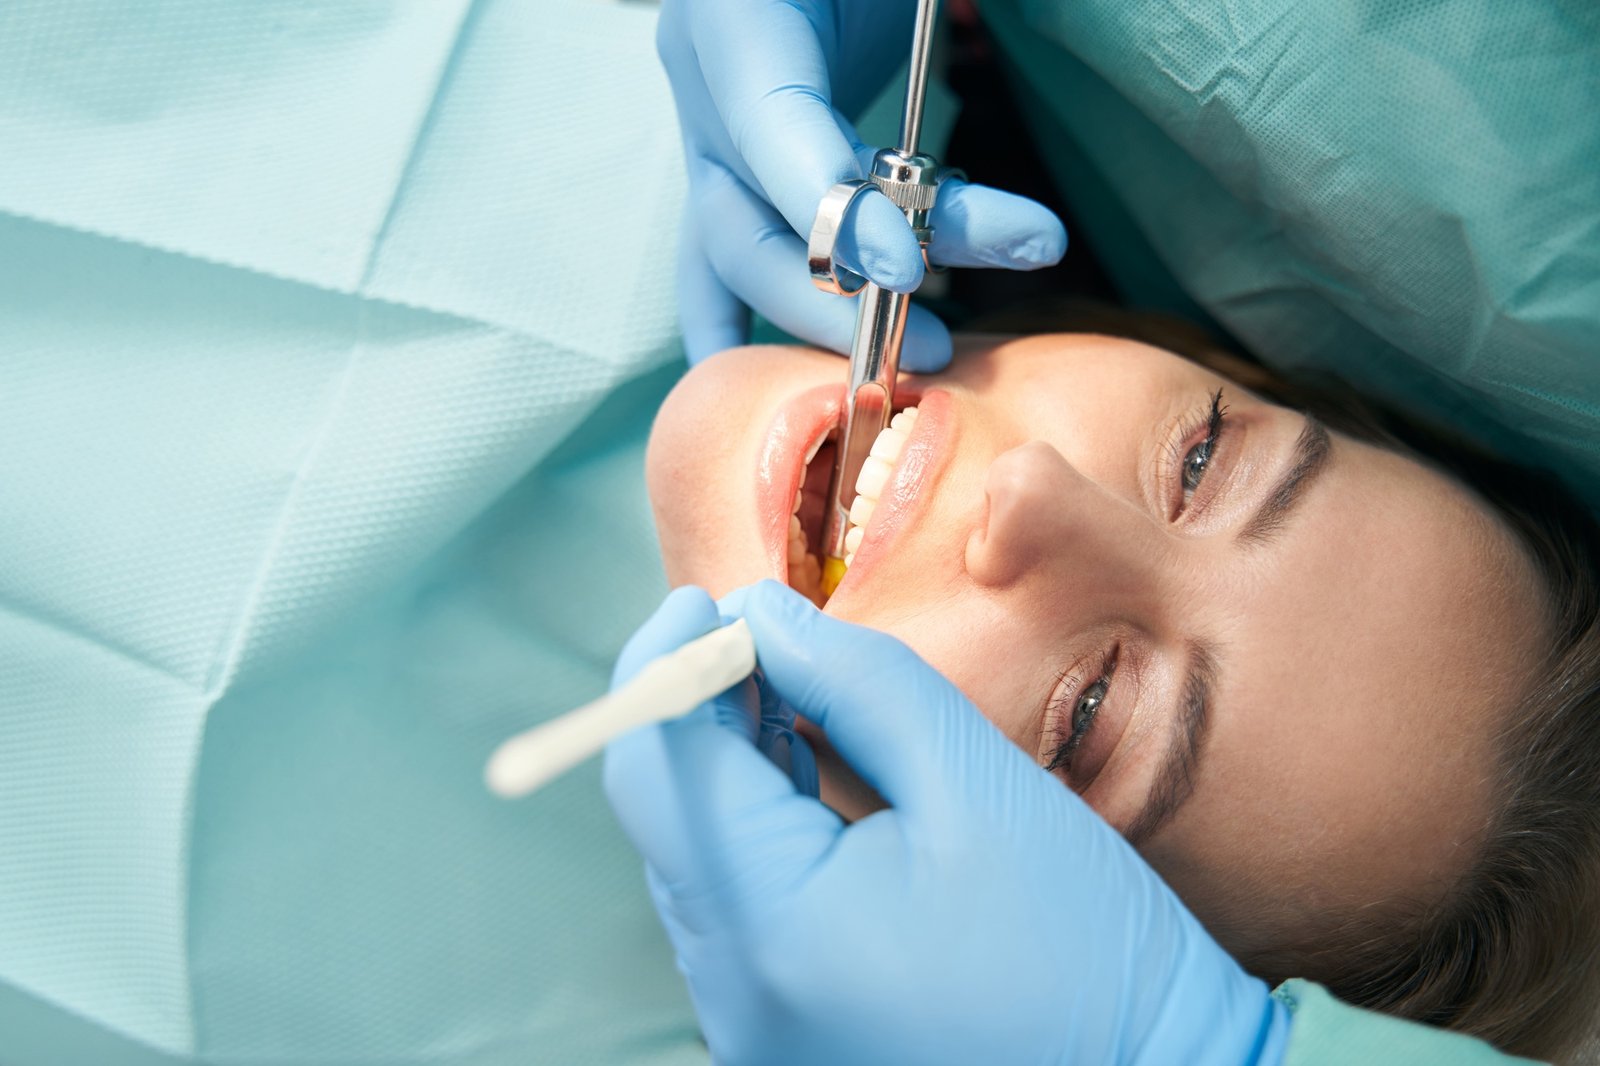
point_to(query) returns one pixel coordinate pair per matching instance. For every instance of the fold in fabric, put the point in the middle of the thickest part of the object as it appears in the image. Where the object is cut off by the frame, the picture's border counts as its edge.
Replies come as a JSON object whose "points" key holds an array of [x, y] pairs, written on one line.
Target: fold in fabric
{"points": [[322, 451]]}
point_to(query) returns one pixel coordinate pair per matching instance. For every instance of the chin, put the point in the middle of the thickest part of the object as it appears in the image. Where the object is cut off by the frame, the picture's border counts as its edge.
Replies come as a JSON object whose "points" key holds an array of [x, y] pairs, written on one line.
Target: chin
{"points": [[700, 464]]}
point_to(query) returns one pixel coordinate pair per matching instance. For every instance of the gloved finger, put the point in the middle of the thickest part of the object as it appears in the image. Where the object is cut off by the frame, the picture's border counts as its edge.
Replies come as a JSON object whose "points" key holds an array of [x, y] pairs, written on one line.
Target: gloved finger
{"points": [[709, 811], [910, 733], [927, 344], [794, 757], [667, 909], [691, 793], [711, 316], [772, 93], [787, 749], [685, 614], [979, 226], [763, 264], [874, 238]]}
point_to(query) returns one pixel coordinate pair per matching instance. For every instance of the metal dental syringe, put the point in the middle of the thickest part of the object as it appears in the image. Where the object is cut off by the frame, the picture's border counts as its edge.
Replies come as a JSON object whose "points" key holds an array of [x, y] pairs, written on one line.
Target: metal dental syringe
{"points": [[911, 180]]}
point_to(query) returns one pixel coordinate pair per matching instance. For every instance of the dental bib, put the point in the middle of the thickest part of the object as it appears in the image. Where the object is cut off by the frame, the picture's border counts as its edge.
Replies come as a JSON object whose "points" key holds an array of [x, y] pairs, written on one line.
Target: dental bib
{"points": [[320, 480]]}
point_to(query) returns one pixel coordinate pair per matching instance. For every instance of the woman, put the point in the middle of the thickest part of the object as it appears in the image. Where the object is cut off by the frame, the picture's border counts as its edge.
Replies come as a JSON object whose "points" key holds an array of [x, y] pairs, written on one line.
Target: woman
{"points": [[1338, 695]]}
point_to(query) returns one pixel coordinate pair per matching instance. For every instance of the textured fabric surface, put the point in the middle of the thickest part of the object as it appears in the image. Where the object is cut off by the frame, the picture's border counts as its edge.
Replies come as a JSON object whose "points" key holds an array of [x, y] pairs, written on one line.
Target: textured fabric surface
{"points": [[1329, 1033], [1404, 193], [321, 446]]}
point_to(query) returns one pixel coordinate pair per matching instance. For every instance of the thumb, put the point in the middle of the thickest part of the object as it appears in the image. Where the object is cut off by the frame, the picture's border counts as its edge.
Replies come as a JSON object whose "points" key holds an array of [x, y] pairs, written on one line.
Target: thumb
{"points": [[768, 77], [697, 798]]}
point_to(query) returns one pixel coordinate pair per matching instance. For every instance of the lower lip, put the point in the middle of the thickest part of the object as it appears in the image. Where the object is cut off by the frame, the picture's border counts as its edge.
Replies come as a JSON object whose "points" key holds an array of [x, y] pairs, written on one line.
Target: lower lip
{"points": [[919, 465], [781, 468]]}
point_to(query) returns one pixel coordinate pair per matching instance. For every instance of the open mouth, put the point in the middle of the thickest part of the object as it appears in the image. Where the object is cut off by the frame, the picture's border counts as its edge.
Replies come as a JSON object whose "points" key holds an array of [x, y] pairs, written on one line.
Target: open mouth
{"points": [[805, 566]]}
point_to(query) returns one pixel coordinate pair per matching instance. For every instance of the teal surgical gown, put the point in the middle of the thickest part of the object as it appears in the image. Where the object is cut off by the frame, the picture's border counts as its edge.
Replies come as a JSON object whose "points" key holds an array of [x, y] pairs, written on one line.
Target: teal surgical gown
{"points": [[1327, 1032]]}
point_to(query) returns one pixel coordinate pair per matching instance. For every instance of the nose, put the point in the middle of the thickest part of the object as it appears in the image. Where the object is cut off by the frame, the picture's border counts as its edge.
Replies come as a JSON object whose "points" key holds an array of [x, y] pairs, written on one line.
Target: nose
{"points": [[1044, 516]]}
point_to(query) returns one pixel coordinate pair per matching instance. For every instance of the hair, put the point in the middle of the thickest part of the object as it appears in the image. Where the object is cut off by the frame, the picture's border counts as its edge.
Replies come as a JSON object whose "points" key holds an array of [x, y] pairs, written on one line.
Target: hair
{"points": [[1511, 953]]}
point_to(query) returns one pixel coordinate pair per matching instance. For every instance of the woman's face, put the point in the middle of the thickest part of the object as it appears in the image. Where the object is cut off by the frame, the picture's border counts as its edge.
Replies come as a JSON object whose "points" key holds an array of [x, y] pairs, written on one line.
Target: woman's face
{"points": [[1273, 656]]}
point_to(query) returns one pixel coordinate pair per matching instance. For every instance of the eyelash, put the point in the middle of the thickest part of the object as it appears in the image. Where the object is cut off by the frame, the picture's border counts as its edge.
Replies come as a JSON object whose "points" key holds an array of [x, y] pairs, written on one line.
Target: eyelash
{"points": [[1063, 714], [1064, 711], [1205, 450]]}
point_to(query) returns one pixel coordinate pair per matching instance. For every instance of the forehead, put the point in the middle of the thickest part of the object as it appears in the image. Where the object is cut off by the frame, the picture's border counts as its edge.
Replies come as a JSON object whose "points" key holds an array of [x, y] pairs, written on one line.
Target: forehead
{"points": [[1074, 361], [1351, 753]]}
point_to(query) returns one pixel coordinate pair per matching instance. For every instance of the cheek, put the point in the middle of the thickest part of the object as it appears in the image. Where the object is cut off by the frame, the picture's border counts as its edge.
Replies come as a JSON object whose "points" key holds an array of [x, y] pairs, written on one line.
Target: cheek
{"points": [[703, 515], [702, 462], [716, 555], [998, 663], [1096, 399]]}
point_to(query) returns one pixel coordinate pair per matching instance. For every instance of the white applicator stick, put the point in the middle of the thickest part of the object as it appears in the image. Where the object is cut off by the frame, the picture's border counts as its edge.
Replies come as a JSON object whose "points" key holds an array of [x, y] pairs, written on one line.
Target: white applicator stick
{"points": [[668, 687]]}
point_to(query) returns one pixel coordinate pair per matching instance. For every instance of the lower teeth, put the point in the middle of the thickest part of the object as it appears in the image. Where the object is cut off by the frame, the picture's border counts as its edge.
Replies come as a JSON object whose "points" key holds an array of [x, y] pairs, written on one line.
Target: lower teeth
{"points": [[805, 577]]}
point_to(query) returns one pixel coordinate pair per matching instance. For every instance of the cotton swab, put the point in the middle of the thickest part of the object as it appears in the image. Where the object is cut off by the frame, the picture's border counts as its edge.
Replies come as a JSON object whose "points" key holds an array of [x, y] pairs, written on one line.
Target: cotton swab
{"points": [[668, 687]]}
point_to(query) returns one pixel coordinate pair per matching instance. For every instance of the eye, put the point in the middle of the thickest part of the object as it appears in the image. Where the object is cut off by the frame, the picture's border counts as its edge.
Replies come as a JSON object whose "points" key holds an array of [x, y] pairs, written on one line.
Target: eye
{"points": [[1195, 463], [1089, 706], [1198, 459], [1083, 716]]}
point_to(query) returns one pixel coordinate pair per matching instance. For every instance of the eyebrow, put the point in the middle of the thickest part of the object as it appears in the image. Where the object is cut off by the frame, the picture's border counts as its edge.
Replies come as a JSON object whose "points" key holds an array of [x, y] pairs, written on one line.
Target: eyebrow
{"points": [[1311, 451], [1175, 779]]}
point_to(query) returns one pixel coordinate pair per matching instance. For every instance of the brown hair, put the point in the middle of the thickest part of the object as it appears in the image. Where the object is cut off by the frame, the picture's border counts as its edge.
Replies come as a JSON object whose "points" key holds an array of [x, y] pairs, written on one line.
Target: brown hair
{"points": [[1512, 953]]}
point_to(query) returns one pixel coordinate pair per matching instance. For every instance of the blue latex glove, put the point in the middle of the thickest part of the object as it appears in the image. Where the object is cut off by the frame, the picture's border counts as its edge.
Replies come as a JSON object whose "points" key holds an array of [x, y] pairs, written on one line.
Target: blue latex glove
{"points": [[990, 916], [762, 88]]}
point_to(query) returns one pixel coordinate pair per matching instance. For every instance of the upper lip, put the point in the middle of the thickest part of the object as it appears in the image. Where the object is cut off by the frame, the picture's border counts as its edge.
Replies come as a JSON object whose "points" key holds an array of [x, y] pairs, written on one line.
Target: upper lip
{"points": [[909, 487], [781, 467]]}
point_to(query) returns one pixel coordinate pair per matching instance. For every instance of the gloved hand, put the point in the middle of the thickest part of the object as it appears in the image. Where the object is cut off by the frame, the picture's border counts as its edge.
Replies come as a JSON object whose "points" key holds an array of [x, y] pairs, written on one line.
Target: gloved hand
{"points": [[762, 88], [989, 916]]}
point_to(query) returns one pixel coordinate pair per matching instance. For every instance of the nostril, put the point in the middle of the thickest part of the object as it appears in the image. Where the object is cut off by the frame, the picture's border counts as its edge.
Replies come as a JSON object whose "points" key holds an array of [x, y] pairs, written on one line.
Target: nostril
{"points": [[991, 554], [987, 559]]}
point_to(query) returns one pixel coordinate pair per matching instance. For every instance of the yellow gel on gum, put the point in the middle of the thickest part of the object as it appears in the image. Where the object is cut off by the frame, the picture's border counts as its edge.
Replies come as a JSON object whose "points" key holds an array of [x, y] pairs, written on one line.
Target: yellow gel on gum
{"points": [[832, 573]]}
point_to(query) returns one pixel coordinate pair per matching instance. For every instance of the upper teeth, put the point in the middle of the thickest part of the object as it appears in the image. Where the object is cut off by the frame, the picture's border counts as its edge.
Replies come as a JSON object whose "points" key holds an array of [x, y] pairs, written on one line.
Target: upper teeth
{"points": [[805, 573], [874, 477]]}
